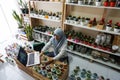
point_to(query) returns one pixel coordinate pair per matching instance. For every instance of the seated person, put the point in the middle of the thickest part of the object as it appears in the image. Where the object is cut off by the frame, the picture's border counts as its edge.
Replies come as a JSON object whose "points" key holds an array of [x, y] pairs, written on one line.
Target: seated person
{"points": [[58, 43]]}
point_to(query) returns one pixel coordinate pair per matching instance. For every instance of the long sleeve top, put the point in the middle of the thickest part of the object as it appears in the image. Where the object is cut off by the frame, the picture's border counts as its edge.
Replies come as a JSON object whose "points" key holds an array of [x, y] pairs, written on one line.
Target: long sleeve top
{"points": [[62, 53]]}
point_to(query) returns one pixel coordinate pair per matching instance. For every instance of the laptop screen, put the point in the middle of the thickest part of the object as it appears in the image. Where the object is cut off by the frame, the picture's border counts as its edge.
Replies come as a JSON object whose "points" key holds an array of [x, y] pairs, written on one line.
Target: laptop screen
{"points": [[22, 56]]}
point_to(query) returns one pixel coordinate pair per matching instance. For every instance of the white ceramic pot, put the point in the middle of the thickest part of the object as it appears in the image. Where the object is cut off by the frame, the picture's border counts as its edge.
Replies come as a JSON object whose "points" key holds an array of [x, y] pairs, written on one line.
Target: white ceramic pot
{"points": [[67, 1], [116, 30], [82, 23], [80, 2], [108, 28], [76, 22], [98, 4]]}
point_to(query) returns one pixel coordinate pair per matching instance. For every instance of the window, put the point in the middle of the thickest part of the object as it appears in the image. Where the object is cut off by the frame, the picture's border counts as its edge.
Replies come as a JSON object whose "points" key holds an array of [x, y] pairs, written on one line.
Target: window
{"points": [[8, 25]]}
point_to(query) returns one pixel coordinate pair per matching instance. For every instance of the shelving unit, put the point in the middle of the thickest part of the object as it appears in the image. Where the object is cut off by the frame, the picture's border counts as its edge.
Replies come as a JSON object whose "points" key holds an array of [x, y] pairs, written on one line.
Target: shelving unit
{"points": [[96, 60], [92, 28], [42, 33], [72, 9], [117, 54], [37, 17], [75, 9], [47, 6], [73, 4]]}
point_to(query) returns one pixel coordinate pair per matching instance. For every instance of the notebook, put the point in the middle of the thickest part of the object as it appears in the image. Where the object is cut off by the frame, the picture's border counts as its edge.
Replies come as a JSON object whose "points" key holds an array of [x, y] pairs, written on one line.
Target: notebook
{"points": [[28, 59]]}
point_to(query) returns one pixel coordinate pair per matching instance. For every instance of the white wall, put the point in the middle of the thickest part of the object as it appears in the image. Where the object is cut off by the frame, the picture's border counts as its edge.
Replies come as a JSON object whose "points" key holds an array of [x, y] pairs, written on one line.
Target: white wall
{"points": [[8, 25]]}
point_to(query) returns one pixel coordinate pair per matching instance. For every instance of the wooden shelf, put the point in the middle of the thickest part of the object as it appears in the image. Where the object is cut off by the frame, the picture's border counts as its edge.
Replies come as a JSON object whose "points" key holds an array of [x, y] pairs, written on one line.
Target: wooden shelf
{"points": [[37, 17], [56, 2], [116, 54], [73, 4], [97, 60], [92, 28], [42, 32]]}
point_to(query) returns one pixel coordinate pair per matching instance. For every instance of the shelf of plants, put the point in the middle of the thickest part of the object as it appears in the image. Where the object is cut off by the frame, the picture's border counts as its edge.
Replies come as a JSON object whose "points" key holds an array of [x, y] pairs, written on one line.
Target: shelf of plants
{"points": [[93, 6], [56, 2], [97, 60], [32, 15], [117, 54], [92, 28], [45, 33]]}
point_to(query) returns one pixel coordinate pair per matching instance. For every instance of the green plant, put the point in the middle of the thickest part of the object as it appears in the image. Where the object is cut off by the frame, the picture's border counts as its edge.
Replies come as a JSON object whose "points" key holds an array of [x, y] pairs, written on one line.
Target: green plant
{"points": [[23, 4], [29, 31], [18, 18]]}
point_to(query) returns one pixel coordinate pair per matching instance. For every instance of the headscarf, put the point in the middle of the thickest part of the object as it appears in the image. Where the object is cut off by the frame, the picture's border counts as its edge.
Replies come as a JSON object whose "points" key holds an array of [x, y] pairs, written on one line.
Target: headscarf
{"points": [[58, 43]]}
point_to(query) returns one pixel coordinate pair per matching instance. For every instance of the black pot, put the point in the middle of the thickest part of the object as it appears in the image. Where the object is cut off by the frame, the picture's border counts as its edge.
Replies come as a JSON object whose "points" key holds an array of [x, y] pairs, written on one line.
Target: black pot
{"points": [[25, 10]]}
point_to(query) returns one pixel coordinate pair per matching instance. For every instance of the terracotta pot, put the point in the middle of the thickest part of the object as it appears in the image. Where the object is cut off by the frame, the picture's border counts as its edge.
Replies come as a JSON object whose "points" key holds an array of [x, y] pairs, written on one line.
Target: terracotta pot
{"points": [[106, 4], [112, 4]]}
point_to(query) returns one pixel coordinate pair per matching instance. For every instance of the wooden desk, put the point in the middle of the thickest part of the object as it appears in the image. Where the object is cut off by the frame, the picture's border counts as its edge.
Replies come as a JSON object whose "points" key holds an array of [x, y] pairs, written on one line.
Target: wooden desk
{"points": [[38, 76]]}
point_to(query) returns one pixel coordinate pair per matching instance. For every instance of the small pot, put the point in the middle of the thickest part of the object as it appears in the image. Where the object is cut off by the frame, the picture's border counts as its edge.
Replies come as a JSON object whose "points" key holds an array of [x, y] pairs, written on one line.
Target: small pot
{"points": [[80, 2], [108, 28], [112, 4], [116, 30], [106, 3], [98, 4]]}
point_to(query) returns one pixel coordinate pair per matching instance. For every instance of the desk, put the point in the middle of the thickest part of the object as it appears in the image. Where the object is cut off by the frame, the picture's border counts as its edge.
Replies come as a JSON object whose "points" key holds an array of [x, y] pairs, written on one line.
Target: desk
{"points": [[38, 76]]}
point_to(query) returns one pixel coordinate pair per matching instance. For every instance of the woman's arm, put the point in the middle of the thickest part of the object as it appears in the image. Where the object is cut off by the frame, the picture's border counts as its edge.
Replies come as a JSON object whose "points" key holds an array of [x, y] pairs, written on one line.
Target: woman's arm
{"points": [[46, 47], [62, 51]]}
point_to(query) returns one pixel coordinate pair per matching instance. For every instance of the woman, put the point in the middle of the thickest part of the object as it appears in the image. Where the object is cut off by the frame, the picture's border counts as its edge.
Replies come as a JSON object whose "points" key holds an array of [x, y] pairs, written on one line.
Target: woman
{"points": [[57, 44]]}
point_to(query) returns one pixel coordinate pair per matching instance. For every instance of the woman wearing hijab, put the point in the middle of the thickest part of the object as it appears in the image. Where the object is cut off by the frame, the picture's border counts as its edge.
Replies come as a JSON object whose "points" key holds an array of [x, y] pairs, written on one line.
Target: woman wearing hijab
{"points": [[57, 44]]}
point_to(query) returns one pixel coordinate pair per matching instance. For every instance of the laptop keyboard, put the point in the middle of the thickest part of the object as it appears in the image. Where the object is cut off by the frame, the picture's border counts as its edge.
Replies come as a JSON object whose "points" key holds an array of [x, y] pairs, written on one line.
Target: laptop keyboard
{"points": [[31, 59]]}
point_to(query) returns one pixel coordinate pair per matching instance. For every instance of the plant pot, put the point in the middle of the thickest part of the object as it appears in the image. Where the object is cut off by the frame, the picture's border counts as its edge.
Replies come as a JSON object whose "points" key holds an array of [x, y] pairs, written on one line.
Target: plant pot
{"points": [[112, 4], [106, 4], [68, 1], [80, 2], [100, 27], [25, 10], [116, 30], [98, 4], [82, 23], [108, 28]]}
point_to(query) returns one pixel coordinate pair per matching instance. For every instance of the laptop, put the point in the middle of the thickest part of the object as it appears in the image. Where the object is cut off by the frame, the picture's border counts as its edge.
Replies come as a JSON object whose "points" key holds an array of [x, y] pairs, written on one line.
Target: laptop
{"points": [[28, 59]]}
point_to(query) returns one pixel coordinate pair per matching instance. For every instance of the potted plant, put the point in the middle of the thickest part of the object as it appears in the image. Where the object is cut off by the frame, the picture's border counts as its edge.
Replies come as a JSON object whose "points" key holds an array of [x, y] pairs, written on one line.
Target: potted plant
{"points": [[23, 6], [18, 18], [117, 27], [29, 31], [82, 21], [109, 25], [98, 3], [101, 24], [80, 2]]}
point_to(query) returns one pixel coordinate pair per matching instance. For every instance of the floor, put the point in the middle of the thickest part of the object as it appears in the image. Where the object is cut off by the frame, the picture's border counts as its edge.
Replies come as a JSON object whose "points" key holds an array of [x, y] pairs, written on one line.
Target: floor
{"points": [[8, 71]]}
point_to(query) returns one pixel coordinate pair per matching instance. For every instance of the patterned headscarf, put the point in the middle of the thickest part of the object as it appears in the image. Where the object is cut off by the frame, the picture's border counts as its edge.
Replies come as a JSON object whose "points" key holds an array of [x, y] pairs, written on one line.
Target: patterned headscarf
{"points": [[58, 43]]}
